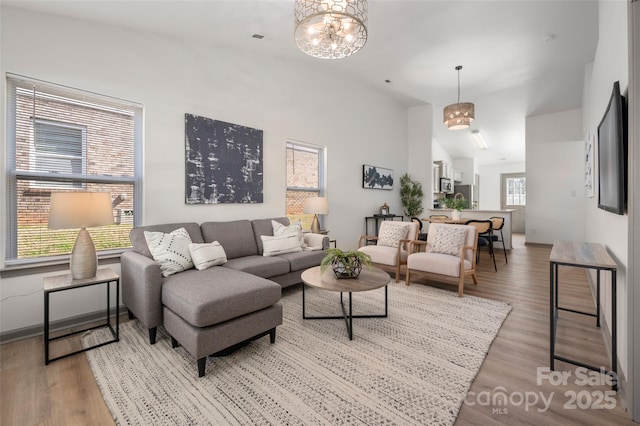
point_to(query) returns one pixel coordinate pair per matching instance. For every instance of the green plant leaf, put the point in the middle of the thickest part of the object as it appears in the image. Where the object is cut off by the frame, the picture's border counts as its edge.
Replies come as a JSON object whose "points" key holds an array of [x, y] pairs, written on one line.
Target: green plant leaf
{"points": [[411, 195]]}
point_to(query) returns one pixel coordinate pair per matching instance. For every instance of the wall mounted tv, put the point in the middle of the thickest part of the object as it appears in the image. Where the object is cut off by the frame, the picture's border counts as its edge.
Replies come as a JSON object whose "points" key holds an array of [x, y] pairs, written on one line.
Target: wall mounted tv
{"points": [[612, 155]]}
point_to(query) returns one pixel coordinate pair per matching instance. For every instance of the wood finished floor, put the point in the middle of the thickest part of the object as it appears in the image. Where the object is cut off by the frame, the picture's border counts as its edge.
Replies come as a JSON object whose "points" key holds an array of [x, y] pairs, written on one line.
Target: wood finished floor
{"points": [[65, 393]]}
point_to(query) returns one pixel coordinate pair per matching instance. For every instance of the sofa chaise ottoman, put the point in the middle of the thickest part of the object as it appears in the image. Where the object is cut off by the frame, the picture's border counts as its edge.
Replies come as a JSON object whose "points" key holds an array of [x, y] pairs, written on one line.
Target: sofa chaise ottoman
{"points": [[213, 310]]}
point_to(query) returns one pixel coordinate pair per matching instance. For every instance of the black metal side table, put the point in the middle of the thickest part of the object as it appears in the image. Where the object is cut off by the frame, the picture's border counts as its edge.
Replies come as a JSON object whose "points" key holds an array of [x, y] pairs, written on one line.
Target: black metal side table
{"points": [[65, 282], [378, 218]]}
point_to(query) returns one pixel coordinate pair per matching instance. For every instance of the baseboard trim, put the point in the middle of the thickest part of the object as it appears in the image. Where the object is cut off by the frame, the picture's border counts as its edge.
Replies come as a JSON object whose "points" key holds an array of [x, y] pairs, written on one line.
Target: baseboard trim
{"points": [[78, 320], [538, 244]]}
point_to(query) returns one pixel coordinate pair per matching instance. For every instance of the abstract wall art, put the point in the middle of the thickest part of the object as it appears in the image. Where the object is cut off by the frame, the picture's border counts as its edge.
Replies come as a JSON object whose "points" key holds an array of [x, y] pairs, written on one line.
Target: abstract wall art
{"points": [[376, 177], [589, 144], [223, 162]]}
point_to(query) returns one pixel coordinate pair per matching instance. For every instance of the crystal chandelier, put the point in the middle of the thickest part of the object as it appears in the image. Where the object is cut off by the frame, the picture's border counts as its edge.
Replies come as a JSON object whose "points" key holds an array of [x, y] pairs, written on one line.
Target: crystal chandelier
{"points": [[330, 29], [459, 115]]}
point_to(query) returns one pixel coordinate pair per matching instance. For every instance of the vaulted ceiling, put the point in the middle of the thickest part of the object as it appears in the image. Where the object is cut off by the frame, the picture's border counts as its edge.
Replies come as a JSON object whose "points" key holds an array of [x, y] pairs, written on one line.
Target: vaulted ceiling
{"points": [[519, 58]]}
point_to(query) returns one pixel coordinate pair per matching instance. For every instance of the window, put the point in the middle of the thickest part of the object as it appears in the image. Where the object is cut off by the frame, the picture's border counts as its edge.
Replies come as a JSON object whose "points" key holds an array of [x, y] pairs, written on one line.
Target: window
{"points": [[305, 178], [64, 139], [516, 190], [58, 148]]}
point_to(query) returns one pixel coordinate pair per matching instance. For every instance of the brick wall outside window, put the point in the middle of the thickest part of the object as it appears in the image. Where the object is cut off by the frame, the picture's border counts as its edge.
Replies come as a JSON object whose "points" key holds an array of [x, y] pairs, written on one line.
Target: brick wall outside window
{"points": [[302, 172], [109, 150]]}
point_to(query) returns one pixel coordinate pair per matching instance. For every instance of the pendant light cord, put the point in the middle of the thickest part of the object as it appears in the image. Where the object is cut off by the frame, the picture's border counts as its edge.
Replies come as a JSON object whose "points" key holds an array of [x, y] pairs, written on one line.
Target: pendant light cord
{"points": [[459, 67]]}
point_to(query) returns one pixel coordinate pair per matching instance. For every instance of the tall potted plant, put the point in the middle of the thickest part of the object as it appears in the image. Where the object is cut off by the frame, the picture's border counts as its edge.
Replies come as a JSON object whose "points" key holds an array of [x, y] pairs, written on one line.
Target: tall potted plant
{"points": [[411, 196]]}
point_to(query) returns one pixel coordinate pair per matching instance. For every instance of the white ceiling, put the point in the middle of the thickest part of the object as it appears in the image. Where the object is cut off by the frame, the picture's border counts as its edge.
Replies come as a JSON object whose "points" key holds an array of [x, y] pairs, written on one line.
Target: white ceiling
{"points": [[519, 58]]}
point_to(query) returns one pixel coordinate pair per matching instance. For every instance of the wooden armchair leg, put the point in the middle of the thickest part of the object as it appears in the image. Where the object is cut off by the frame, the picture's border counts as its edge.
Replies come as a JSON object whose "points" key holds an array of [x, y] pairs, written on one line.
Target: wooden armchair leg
{"points": [[407, 277], [461, 285]]}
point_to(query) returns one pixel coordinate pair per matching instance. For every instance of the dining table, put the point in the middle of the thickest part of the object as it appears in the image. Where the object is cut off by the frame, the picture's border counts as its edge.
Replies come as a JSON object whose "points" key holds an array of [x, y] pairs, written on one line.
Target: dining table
{"points": [[449, 220]]}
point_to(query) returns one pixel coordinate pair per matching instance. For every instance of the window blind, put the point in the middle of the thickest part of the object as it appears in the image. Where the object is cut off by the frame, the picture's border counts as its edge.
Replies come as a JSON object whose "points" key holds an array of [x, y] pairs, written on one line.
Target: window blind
{"points": [[65, 139]]}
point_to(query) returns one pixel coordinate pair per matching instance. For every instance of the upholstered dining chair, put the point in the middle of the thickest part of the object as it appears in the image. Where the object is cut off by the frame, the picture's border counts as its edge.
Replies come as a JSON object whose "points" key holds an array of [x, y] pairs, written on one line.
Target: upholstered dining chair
{"points": [[485, 237], [449, 252], [392, 245], [498, 224]]}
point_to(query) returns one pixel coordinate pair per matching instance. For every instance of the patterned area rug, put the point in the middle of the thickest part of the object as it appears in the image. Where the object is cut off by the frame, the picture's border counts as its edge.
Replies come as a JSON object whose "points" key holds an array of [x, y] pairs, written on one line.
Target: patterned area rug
{"points": [[414, 367]]}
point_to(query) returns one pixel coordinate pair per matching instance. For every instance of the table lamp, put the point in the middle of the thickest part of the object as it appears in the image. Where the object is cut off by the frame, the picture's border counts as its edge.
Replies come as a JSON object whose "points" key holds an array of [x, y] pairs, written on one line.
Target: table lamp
{"points": [[70, 210], [316, 206]]}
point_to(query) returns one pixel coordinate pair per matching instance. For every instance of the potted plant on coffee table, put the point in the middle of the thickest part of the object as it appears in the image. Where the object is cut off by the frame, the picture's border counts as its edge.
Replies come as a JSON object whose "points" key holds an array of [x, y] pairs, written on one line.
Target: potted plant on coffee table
{"points": [[345, 264]]}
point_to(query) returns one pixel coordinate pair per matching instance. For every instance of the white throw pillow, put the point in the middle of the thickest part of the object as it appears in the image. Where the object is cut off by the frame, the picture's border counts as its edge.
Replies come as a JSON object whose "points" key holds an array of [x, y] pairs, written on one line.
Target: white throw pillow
{"points": [[206, 255], [170, 251], [280, 230], [447, 239], [273, 246], [392, 232]]}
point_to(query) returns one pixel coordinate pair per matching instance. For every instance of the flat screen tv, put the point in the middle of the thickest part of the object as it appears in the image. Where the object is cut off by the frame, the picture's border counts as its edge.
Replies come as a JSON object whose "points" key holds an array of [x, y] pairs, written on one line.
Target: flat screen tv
{"points": [[612, 155]]}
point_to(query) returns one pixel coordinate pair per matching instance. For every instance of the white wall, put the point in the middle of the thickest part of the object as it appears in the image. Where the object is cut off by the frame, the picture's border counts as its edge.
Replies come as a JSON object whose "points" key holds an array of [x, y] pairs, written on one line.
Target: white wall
{"points": [[555, 178], [610, 65], [466, 166], [490, 185], [420, 153], [438, 153], [172, 77]]}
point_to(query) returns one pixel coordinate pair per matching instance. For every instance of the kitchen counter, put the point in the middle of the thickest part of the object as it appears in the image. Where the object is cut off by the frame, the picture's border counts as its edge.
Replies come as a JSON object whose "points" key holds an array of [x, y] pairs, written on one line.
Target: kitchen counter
{"points": [[482, 215]]}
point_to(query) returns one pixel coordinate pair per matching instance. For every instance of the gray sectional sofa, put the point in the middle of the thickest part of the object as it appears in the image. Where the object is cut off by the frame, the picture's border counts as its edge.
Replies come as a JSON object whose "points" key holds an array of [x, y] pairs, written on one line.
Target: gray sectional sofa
{"points": [[213, 310]]}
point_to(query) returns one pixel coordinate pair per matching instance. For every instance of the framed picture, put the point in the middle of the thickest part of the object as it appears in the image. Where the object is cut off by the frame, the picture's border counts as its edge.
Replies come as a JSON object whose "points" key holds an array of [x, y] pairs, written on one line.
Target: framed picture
{"points": [[374, 177], [223, 162], [589, 144]]}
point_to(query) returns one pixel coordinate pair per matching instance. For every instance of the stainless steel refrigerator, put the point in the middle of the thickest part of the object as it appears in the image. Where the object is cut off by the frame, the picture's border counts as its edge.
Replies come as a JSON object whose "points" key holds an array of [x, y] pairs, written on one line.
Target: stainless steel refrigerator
{"points": [[470, 192]]}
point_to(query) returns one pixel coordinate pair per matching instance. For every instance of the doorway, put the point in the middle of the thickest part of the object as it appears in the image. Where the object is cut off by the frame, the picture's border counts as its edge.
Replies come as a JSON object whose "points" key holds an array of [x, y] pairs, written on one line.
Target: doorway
{"points": [[513, 196]]}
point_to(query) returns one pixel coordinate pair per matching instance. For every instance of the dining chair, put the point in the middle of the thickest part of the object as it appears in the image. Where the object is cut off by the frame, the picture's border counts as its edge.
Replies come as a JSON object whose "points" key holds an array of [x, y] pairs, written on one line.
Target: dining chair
{"points": [[421, 235], [485, 237], [498, 224]]}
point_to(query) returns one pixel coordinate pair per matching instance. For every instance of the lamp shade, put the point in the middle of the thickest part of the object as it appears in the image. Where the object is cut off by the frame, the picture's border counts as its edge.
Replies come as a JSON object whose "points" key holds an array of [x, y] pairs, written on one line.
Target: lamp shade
{"points": [[316, 205], [69, 210], [459, 116]]}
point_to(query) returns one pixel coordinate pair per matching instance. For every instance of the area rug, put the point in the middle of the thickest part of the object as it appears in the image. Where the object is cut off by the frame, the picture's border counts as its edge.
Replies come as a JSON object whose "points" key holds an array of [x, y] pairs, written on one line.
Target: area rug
{"points": [[414, 367]]}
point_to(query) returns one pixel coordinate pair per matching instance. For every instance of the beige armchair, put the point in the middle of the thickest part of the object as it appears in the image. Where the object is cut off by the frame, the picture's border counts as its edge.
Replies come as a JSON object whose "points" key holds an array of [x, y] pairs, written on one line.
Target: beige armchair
{"points": [[449, 252], [392, 245]]}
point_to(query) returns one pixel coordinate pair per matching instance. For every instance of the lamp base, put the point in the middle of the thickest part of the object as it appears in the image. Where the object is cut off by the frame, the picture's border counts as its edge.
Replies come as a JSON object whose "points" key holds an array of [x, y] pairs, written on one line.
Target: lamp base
{"points": [[315, 225], [84, 261]]}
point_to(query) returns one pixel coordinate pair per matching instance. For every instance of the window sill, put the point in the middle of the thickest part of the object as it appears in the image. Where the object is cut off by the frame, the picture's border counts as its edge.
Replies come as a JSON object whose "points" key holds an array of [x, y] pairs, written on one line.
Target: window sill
{"points": [[18, 268]]}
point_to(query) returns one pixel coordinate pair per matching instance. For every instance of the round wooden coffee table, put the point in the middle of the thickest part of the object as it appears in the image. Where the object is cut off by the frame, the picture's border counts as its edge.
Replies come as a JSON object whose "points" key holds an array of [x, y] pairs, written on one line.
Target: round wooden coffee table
{"points": [[369, 279]]}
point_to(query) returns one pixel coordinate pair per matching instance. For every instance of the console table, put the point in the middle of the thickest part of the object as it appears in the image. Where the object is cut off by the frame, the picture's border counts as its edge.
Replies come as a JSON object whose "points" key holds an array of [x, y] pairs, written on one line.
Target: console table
{"points": [[590, 256], [66, 282], [377, 219]]}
